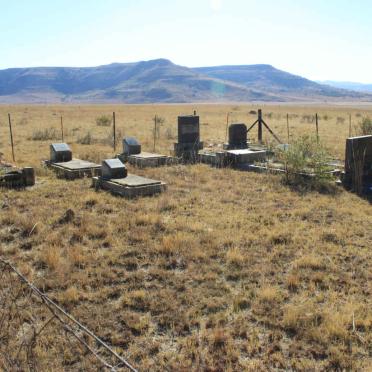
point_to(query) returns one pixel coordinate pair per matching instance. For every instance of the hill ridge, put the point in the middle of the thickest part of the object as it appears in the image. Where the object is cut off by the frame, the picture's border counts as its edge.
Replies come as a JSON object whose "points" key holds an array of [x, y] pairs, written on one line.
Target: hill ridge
{"points": [[162, 81]]}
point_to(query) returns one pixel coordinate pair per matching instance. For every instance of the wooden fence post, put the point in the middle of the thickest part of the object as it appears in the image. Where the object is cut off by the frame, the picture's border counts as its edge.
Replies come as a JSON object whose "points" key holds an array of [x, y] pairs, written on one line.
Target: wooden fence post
{"points": [[114, 129], [11, 136], [62, 134]]}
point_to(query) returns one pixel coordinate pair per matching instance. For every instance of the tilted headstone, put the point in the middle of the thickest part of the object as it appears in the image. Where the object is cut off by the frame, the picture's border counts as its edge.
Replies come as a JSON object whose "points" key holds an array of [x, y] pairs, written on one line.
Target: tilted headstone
{"points": [[113, 168], [131, 146], [60, 153]]}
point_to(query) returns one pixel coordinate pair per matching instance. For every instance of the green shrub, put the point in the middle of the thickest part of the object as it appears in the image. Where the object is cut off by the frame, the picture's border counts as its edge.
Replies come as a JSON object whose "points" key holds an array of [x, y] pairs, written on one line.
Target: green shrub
{"points": [[306, 163]]}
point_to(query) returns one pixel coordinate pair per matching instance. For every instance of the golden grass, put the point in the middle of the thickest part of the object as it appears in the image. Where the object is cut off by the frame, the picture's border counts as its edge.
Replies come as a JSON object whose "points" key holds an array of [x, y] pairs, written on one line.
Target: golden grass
{"points": [[225, 271]]}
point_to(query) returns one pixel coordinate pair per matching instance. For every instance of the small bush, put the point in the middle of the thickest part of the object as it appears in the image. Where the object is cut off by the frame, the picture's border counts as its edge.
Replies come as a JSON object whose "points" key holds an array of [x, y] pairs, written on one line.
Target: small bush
{"points": [[104, 121], [306, 162], [365, 127], [46, 134], [87, 139]]}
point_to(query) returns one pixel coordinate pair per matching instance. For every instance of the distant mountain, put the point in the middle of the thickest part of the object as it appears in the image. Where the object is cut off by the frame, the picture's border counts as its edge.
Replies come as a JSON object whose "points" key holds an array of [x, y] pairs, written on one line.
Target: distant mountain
{"points": [[162, 81], [281, 83], [359, 87]]}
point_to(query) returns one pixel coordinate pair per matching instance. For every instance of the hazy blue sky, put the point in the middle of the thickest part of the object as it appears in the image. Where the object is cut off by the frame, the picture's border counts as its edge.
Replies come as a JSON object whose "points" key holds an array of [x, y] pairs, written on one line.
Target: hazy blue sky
{"points": [[318, 39]]}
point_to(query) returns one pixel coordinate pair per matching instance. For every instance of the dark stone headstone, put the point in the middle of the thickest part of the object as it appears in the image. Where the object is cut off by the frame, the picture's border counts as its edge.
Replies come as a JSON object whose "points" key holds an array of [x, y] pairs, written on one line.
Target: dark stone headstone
{"points": [[131, 146], [358, 149], [60, 153], [113, 168], [238, 136], [188, 129], [358, 164]]}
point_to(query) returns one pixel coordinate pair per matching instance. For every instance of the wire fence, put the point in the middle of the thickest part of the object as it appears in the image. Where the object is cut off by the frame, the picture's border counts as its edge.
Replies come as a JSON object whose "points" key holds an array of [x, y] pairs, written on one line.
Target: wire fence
{"points": [[36, 334]]}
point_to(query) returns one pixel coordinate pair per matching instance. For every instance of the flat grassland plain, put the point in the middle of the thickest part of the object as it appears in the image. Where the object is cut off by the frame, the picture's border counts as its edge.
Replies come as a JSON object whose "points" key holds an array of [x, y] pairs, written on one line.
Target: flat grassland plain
{"points": [[226, 270]]}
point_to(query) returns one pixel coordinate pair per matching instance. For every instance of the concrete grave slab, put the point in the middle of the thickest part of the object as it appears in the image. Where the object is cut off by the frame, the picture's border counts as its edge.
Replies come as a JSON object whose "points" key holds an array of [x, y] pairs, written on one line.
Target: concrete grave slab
{"points": [[131, 186]]}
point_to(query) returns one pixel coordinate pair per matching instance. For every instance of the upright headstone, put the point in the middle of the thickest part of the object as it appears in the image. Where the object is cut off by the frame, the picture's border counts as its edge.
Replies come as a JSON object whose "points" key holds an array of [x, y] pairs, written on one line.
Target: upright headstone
{"points": [[358, 163], [188, 138], [237, 136], [28, 176]]}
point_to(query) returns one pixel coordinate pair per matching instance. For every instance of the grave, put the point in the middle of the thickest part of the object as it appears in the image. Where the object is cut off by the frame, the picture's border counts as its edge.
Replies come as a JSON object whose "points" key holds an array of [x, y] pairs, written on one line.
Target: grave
{"points": [[189, 143], [116, 180], [17, 178], [358, 165], [236, 152], [134, 156], [232, 158], [65, 166]]}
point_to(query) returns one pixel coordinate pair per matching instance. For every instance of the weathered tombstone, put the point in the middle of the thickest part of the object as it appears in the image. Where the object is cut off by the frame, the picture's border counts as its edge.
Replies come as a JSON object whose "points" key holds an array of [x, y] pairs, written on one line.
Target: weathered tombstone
{"points": [[189, 142], [28, 176], [188, 129], [131, 146], [358, 163], [113, 169], [237, 136], [60, 153]]}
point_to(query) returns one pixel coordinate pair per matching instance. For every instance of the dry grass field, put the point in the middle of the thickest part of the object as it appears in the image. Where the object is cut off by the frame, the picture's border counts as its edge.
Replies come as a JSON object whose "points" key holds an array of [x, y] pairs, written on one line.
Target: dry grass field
{"points": [[226, 271]]}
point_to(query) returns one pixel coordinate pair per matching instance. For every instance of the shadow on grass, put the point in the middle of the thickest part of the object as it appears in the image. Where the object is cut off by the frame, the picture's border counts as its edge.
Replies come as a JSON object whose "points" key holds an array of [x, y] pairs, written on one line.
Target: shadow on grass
{"points": [[306, 186]]}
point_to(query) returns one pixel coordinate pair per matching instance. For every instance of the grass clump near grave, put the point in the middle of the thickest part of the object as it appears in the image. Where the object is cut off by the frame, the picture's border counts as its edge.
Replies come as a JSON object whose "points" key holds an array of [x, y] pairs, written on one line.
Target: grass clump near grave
{"points": [[365, 127], [307, 163], [103, 121], [45, 134]]}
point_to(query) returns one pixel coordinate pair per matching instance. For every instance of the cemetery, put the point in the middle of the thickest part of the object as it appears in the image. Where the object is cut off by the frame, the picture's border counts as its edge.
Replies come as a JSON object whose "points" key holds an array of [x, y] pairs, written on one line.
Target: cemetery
{"points": [[65, 166], [222, 254]]}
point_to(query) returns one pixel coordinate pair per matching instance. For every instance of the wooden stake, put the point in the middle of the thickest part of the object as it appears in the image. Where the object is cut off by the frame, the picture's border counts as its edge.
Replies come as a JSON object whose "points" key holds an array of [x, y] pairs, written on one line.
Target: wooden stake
{"points": [[317, 127], [11, 136], [227, 125], [288, 127], [155, 122], [260, 126], [62, 129], [349, 125], [114, 129]]}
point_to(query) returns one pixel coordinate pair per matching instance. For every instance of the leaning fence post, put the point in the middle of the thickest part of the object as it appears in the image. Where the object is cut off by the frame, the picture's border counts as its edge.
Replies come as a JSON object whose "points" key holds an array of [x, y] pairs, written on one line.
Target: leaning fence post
{"points": [[317, 127], [11, 136]]}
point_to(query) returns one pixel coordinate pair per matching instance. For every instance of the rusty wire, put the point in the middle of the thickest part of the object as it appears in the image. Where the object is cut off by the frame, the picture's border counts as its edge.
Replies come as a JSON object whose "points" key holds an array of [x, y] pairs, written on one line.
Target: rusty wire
{"points": [[31, 325]]}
